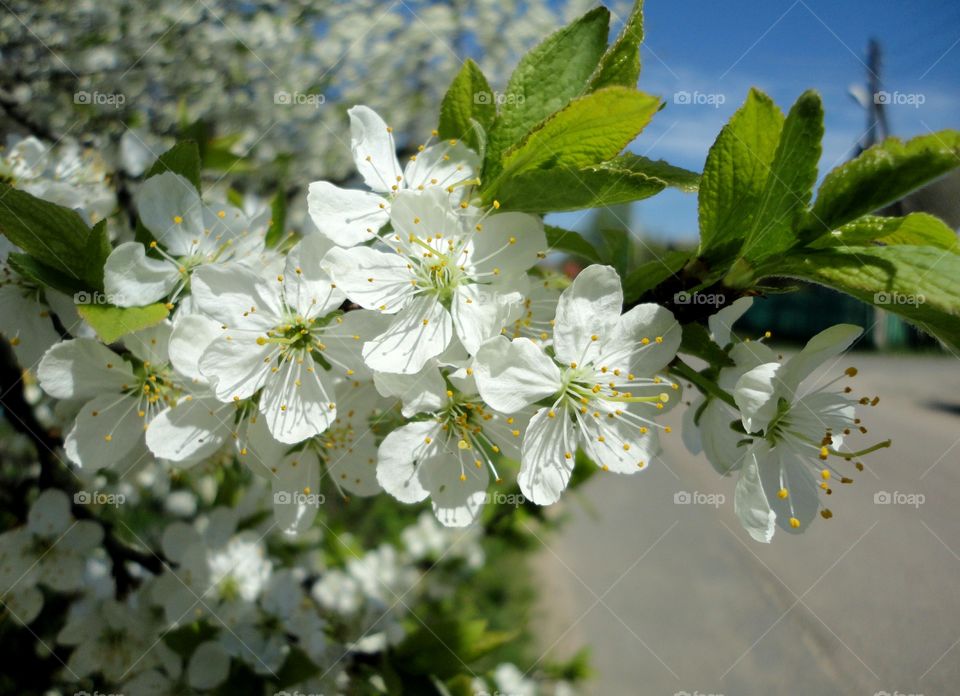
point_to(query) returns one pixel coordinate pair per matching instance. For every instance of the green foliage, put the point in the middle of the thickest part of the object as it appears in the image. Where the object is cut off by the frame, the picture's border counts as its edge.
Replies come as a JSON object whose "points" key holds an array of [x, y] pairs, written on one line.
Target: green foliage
{"points": [[183, 159], [278, 219], [469, 104], [571, 243], [112, 322], [696, 341], [918, 229], [650, 274], [620, 65], [56, 237], [41, 274]]}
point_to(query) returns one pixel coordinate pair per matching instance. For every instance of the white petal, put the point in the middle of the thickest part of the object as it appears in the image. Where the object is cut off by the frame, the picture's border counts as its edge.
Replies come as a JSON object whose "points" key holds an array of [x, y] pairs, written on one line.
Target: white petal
{"points": [[746, 356], [783, 468], [422, 330], [192, 430], [151, 344], [132, 279], [23, 603], [298, 401], [400, 453], [720, 441], [514, 374], [26, 324], [236, 366], [757, 394], [110, 436], [481, 311], [192, 334], [750, 500], [344, 216], [458, 489], [825, 345], [165, 198], [295, 482], [227, 292], [373, 279], [420, 392], [351, 443], [345, 337], [82, 368], [374, 151], [589, 307], [549, 454], [209, 666], [306, 286], [623, 449], [441, 165], [49, 515], [423, 214], [509, 242], [626, 348], [721, 323]]}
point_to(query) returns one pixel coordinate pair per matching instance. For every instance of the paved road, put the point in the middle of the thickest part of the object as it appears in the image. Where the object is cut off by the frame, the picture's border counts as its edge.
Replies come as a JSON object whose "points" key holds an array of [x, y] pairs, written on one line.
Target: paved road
{"points": [[677, 598]]}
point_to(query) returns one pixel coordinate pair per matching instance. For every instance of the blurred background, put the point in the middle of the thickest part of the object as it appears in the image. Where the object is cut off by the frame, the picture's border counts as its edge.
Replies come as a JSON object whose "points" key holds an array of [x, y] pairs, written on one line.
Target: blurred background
{"points": [[670, 596]]}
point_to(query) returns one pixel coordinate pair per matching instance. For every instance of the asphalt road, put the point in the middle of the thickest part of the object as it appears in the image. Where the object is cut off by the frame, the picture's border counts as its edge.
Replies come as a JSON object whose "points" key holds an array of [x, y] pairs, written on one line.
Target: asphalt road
{"points": [[677, 599]]}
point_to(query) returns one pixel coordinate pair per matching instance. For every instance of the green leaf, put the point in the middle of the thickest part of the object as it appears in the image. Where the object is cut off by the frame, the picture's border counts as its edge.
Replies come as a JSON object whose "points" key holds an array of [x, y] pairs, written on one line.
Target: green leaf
{"points": [[880, 176], [297, 668], [616, 249], [547, 79], [789, 184], [696, 341], [920, 283], [278, 218], [620, 65], [590, 130], [112, 322], [735, 176], [571, 243], [43, 275], [183, 159], [55, 236], [918, 229], [563, 188], [469, 100], [650, 274], [676, 177]]}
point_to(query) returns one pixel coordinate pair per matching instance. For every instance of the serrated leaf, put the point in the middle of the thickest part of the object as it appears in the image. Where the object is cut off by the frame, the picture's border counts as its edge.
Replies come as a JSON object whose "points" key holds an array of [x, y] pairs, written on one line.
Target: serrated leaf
{"points": [[572, 243], [735, 175], [562, 188], [112, 322], [620, 64], [546, 79], [650, 274], [880, 176], [468, 100], [696, 341], [918, 229], [589, 130], [789, 183], [55, 236], [183, 159], [675, 177], [920, 283]]}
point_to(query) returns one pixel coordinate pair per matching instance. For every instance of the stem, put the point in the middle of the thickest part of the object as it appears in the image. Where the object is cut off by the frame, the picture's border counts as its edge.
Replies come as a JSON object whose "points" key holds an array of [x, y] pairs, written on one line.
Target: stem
{"points": [[709, 388]]}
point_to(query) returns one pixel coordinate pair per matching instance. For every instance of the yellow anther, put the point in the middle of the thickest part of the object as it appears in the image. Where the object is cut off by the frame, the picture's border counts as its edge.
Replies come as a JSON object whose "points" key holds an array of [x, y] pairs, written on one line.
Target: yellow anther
{"points": [[794, 522], [783, 493]]}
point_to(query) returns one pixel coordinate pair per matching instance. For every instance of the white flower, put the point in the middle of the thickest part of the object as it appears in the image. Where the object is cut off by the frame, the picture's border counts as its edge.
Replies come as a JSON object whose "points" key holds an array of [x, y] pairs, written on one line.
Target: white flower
{"points": [[188, 234], [349, 217], [795, 432], [50, 550], [283, 336], [121, 394], [445, 273], [602, 374], [448, 453]]}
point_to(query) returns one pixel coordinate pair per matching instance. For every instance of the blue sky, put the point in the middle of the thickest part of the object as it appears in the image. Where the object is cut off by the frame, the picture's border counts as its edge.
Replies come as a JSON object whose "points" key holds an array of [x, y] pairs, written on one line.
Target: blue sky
{"points": [[708, 48]]}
